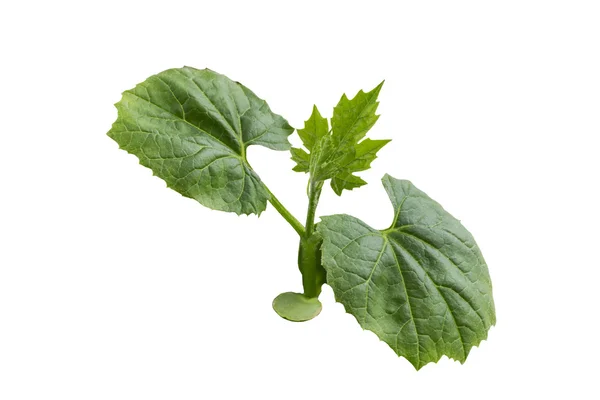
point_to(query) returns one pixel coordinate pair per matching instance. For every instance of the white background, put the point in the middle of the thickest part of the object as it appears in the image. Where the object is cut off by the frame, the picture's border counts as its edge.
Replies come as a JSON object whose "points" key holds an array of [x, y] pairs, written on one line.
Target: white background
{"points": [[114, 287]]}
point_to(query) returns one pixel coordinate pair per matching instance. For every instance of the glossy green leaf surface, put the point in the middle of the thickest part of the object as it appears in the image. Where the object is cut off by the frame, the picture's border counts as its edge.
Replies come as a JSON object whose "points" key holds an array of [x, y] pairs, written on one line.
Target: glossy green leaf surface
{"points": [[192, 128], [422, 285], [339, 152]]}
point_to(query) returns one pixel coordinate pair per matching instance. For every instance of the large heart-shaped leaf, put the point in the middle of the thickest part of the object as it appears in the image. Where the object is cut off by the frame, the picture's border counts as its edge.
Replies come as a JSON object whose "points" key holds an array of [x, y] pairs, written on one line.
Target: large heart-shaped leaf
{"points": [[192, 128], [421, 285]]}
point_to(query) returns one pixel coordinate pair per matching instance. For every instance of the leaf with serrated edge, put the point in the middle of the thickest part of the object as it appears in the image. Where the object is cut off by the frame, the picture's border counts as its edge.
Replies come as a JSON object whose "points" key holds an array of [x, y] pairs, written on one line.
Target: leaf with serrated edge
{"points": [[338, 153], [352, 118], [314, 129], [365, 154], [302, 159], [422, 285], [347, 181], [192, 128]]}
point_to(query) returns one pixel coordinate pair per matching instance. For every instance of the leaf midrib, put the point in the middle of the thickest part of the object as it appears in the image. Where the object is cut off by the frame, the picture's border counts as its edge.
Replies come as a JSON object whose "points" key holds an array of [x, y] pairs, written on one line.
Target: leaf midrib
{"points": [[178, 118], [391, 240], [412, 318]]}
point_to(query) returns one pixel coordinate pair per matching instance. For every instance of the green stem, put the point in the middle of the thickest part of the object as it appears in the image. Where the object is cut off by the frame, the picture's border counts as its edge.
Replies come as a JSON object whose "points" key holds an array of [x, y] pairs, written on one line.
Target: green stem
{"points": [[314, 193], [309, 253], [309, 262], [286, 214]]}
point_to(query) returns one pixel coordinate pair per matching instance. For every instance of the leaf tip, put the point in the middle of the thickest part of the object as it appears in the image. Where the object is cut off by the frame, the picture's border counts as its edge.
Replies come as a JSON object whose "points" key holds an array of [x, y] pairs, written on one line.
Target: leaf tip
{"points": [[377, 89], [387, 178]]}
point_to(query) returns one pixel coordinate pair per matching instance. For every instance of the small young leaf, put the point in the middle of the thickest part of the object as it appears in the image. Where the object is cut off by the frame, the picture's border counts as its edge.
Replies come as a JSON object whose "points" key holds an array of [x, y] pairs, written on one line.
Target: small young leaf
{"points": [[314, 129], [421, 285], [302, 159], [338, 153], [365, 153], [352, 119], [192, 128], [346, 181]]}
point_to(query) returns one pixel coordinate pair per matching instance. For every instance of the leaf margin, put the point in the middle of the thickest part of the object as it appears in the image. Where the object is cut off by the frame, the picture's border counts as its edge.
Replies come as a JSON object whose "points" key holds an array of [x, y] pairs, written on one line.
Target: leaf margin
{"points": [[322, 226]]}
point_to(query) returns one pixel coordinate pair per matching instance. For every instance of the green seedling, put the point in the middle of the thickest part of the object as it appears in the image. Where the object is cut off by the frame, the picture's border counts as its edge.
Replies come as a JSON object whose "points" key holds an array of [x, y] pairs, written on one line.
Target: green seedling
{"points": [[421, 285]]}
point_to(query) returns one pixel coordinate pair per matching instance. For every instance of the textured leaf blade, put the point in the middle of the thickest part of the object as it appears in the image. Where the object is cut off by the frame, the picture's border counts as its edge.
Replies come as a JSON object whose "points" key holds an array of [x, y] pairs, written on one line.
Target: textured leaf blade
{"points": [[421, 285], [192, 128]]}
